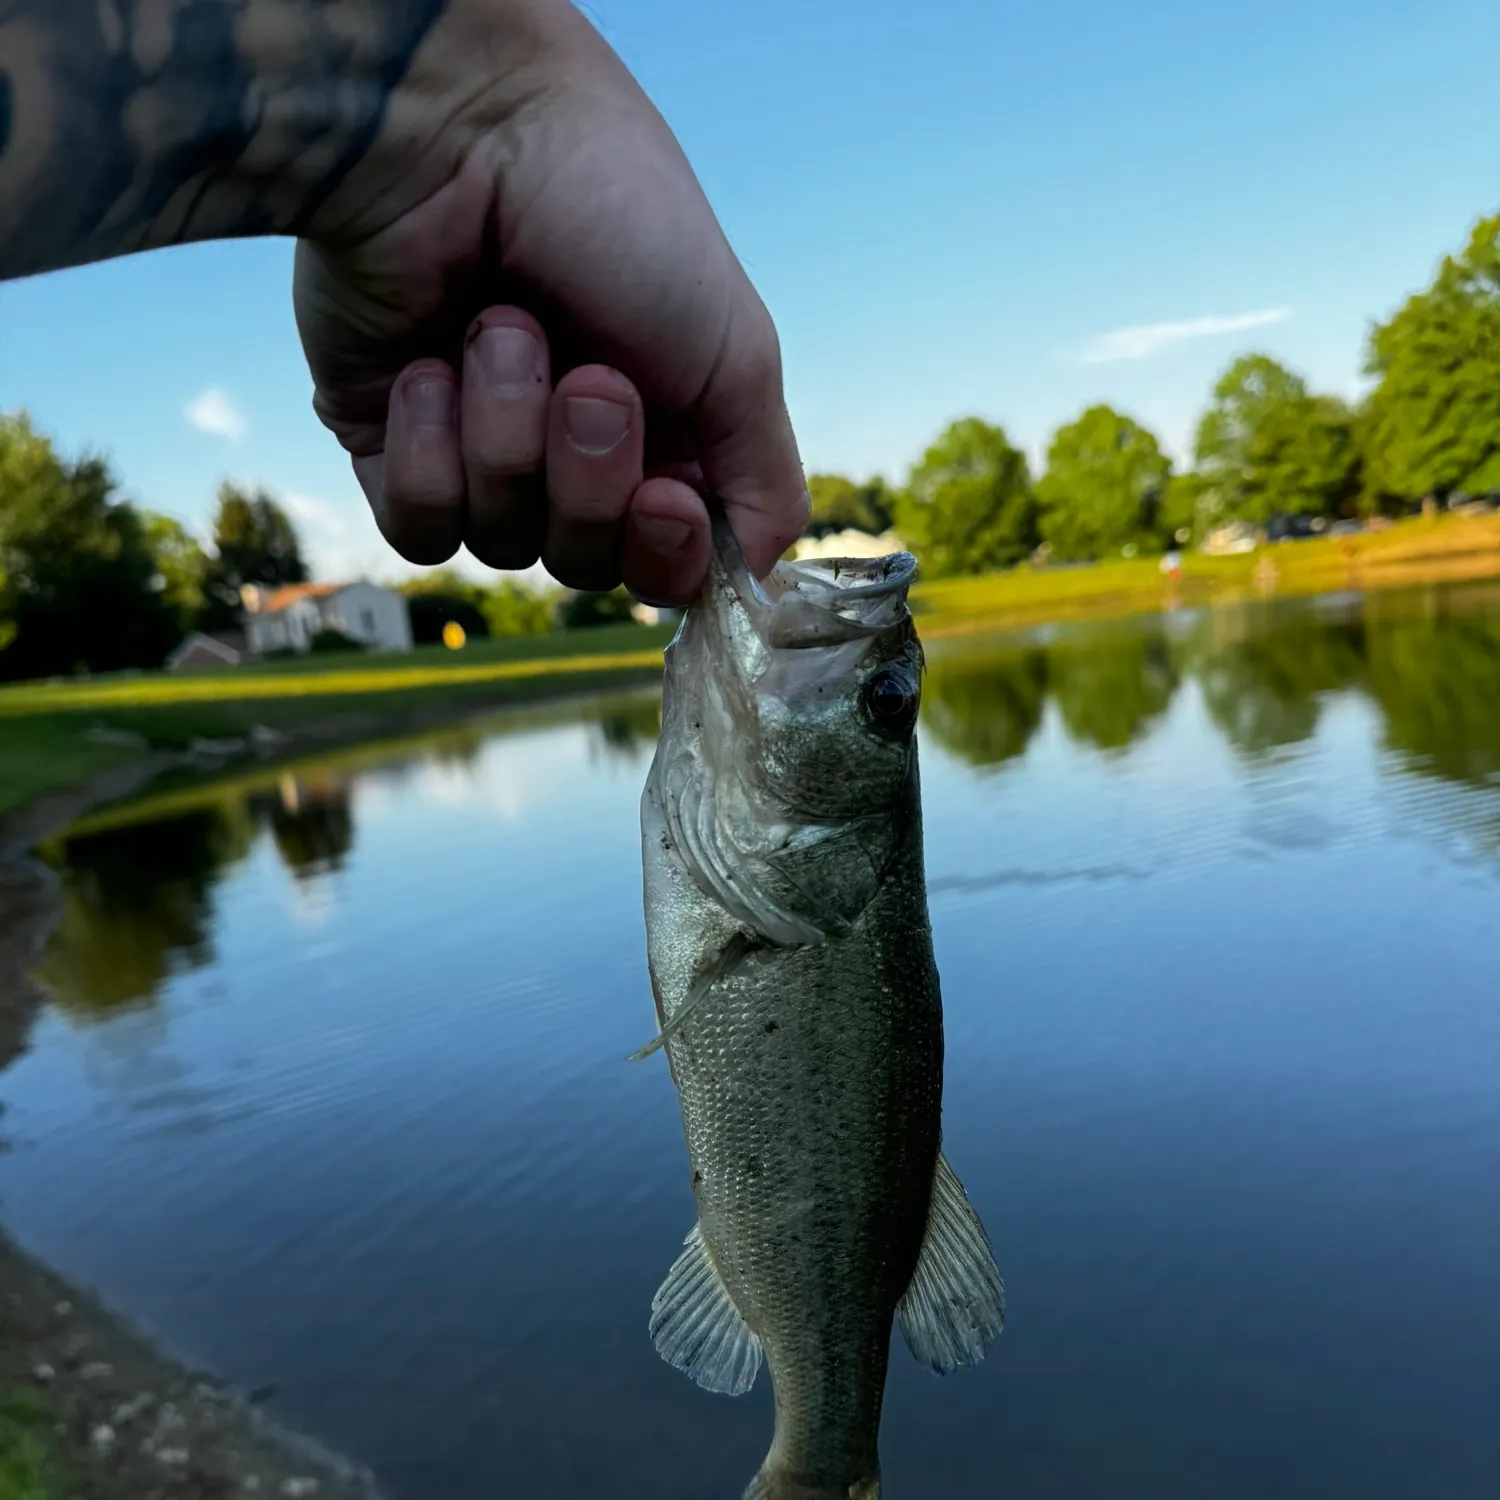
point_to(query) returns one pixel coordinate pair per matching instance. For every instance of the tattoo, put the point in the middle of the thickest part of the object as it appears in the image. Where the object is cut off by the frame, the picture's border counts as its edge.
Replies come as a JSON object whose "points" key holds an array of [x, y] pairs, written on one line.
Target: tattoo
{"points": [[128, 124]]}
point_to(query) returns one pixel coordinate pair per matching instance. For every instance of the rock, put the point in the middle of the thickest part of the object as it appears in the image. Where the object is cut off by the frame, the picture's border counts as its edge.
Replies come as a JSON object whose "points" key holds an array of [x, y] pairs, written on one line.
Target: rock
{"points": [[128, 1411], [96, 1369], [173, 1458], [206, 749], [250, 1482], [63, 1309], [169, 1419], [102, 1438], [43, 1374], [73, 1350], [102, 734], [299, 1489]]}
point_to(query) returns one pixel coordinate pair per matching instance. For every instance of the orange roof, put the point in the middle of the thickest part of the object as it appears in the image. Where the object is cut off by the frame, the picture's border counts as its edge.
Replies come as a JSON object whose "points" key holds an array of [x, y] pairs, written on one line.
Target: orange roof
{"points": [[292, 592]]}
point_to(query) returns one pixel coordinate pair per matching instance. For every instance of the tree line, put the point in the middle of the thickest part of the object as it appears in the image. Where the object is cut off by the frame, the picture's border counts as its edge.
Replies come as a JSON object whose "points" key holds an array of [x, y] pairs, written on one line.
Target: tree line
{"points": [[1267, 449], [91, 581]]}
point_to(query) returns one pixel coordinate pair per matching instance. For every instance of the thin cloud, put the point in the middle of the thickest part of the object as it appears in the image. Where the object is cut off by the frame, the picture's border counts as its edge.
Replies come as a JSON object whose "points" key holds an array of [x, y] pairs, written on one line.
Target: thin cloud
{"points": [[316, 514], [1143, 341], [215, 413]]}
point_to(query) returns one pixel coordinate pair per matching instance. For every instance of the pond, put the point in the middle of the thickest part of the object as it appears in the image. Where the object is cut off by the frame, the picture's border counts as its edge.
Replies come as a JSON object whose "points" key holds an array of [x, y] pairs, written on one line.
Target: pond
{"points": [[332, 1092]]}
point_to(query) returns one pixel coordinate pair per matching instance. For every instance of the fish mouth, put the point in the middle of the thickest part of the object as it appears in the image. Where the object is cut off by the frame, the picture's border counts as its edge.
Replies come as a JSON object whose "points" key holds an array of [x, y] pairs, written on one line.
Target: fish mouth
{"points": [[815, 603]]}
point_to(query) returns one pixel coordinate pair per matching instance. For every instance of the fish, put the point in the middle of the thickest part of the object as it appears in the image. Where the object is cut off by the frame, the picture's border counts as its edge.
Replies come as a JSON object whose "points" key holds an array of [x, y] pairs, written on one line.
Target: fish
{"points": [[798, 1003]]}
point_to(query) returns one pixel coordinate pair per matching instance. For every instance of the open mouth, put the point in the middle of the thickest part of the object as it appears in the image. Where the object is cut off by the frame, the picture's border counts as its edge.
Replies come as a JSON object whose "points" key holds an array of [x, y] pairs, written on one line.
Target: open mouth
{"points": [[820, 602]]}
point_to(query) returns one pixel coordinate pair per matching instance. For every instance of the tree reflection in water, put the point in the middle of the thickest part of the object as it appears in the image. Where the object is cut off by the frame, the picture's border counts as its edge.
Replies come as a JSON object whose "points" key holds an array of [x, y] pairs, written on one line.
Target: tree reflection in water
{"points": [[138, 897]]}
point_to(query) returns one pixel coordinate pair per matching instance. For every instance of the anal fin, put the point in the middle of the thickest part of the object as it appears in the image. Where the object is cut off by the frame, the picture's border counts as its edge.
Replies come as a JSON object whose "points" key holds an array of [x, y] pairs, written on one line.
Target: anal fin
{"points": [[954, 1308], [697, 1328]]}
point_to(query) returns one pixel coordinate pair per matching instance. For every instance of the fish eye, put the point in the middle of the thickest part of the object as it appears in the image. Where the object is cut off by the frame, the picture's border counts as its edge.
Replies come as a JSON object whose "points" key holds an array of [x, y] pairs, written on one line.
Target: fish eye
{"points": [[889, 700]]}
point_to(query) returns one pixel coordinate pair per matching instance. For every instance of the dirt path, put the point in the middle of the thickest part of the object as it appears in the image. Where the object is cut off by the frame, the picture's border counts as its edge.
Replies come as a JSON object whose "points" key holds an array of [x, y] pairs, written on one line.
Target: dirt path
{"points": [[127, 1422]]}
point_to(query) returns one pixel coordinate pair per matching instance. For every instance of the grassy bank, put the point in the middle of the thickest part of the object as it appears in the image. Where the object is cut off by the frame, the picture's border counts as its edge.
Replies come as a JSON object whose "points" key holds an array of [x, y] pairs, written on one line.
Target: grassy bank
{"points": [[1439, 549], [57, 733]]}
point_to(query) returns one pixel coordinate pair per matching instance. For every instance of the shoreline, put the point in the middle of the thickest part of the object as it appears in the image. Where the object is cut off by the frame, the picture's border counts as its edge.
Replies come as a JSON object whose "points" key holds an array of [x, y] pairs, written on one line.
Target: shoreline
{"points": [[120, 1417]]}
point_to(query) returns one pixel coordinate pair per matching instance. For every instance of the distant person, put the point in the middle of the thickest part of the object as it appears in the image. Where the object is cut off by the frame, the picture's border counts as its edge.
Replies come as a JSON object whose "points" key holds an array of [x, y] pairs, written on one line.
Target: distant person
{"points": [[522, 319]]}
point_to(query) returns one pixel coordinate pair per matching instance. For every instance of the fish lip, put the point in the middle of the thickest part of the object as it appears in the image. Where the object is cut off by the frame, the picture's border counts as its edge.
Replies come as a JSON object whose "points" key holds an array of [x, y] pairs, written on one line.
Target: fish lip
{"points": [[820, 601]]}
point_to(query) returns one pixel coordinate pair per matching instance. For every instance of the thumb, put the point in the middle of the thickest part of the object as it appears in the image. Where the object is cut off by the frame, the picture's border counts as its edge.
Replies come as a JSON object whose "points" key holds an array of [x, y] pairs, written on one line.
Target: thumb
{"points": [[744, 439]]}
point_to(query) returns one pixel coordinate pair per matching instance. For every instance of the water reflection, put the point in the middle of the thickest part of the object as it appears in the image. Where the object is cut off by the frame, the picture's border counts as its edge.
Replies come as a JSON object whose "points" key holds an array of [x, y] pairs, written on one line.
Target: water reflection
{"points": [[626, 730], [1111, 686], [1264, 671], [138, 904], [138, 894], [312, 822], [985, 707], [1429, 661]]}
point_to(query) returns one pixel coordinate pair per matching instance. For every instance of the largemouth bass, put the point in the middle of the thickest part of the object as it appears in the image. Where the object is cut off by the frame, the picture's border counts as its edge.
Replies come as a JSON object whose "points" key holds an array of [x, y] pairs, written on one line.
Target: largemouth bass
{"points": [[798, 1002]]}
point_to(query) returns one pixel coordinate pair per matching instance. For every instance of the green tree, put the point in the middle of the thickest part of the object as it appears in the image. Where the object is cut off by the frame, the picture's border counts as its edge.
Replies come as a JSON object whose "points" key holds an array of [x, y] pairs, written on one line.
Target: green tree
{"points": [[1301, 459], [254, 542], [81, 589], [1253, 387], [1104, 486], [1188, 508], [512, 609], [1268, 446], [968, 505], [585, 610], [1434, 418], [441, 595], [839, 504], [181, 566]]}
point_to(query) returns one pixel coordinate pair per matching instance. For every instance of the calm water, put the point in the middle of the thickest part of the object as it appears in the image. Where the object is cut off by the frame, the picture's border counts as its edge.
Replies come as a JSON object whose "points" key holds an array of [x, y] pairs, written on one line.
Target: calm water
{"points": [[333, 1095]]}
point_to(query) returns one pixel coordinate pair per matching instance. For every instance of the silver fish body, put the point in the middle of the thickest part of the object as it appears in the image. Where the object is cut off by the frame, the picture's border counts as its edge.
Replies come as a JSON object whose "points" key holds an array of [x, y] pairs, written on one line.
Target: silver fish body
{"points": [[799, 1004]]}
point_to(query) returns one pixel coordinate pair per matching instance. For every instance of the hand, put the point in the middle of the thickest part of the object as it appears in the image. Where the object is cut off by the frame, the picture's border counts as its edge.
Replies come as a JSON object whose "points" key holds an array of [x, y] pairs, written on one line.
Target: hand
{"points": [[553, 348]]}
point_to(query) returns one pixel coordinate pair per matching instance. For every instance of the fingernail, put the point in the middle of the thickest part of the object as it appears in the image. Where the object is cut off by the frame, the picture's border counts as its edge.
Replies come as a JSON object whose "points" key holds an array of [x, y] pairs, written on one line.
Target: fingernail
{"points": [[594, 426], [430, 403], [510, 358], [663, 534]]}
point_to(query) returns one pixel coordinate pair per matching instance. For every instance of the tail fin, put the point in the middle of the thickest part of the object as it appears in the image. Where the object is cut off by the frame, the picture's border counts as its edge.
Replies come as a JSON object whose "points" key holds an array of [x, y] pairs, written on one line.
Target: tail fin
{"points": [[772, 1484]]}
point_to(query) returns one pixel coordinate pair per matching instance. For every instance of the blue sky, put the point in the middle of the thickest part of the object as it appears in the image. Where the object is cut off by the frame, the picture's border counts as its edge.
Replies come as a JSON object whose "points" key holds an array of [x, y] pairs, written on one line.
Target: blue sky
{"points": [[951, 207]]}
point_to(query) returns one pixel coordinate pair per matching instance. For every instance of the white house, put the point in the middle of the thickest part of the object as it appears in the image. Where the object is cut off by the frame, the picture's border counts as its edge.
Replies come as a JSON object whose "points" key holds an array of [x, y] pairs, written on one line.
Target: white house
{"points": [[289, 617]]}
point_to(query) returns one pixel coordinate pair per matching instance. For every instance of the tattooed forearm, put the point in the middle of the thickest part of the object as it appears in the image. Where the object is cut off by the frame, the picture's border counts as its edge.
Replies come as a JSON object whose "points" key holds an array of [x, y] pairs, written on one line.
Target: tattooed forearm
{"points": [[127, 124]]}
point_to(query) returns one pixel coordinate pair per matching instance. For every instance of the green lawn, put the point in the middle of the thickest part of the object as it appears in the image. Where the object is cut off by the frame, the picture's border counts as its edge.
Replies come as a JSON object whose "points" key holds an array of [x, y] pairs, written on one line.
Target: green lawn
{"points": [[53, 734]]}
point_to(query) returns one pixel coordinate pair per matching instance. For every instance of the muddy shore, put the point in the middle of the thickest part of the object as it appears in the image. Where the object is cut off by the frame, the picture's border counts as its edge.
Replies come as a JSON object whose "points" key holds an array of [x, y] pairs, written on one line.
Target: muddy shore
{"points": [[126, 1421]]}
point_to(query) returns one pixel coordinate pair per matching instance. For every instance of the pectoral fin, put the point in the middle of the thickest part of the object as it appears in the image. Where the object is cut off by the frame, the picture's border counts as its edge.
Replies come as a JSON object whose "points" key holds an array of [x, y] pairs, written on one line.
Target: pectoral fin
{"points": [[717, 967], [954, 1308], [697, 1328]]}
